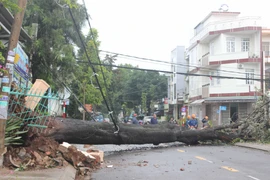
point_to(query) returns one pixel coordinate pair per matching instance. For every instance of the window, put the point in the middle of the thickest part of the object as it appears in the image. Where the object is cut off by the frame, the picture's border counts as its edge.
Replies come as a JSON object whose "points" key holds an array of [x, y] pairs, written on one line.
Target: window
{"points": [[217, 78], [212, 48], [265, 47], [230, 44], [245, 45], [249, 76]]}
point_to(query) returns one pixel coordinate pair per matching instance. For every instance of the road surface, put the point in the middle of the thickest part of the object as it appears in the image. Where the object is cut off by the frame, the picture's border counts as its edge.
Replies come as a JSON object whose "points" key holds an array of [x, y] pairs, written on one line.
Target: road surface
{"points": [[187, 162]]}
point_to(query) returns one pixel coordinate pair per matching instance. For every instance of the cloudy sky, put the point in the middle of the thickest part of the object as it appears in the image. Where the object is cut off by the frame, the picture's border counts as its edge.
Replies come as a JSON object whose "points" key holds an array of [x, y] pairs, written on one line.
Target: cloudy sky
{"points": [[153, 28]]}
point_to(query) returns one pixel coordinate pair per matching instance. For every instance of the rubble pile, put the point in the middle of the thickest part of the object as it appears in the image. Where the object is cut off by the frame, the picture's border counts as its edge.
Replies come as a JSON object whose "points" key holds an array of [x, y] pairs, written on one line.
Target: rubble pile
{"points": [[44, 153]]}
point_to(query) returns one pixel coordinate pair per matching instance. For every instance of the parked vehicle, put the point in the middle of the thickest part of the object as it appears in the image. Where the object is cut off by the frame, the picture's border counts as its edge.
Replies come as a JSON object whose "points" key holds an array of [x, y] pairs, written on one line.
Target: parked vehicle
{"points": [[147, 119], [106, 120], [99, 118]]}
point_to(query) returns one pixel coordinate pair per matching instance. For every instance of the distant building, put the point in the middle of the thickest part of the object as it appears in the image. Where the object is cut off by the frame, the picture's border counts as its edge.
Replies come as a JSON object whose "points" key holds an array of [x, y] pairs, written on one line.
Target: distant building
{"points": [[176, 82], [227, 45]]}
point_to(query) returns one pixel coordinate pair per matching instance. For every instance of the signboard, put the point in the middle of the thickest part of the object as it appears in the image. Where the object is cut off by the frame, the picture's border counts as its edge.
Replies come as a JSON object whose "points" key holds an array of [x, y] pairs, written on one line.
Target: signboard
{"points": [[65, 100], [165, 100], [183, 109], [166, 107], [20, 68], [223, 108], [21, 61]]}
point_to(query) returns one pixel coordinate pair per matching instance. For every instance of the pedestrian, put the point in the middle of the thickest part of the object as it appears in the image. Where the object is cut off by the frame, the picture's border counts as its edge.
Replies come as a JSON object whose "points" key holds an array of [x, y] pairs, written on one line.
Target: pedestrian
{"points": [[172, 121], [154, 119], [193, 123], [134, 119], [187, 121], [206, 123], [141, 122], [234, 117]]}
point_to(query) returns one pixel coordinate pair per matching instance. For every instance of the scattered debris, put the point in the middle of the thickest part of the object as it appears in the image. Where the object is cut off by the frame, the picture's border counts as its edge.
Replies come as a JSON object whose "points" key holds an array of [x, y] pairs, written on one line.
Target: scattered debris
{"points": [[182, 169], [142, 163], [109, 166], [42, 152], [189, 162]]}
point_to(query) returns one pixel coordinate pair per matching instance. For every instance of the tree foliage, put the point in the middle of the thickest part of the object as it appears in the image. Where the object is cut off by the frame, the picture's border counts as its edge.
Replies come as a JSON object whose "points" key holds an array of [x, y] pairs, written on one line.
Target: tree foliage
{"points": [[137, 89], [53, 50]]}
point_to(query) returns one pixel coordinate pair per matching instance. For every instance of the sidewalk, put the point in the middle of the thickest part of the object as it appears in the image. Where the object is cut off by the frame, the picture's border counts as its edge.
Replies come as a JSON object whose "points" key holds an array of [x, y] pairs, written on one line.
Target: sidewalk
{"points": [[258, 146], [64, 173]]}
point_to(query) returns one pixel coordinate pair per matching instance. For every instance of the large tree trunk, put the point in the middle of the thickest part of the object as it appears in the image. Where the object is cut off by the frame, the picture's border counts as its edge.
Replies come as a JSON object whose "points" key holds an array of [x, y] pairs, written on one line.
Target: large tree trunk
{"points": [[86, 132]]}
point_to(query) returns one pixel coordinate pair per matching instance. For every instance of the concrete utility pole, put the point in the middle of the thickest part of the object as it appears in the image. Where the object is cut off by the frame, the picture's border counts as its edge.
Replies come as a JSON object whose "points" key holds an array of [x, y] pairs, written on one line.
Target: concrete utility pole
{"points": [[84, 101], [6, 80]]}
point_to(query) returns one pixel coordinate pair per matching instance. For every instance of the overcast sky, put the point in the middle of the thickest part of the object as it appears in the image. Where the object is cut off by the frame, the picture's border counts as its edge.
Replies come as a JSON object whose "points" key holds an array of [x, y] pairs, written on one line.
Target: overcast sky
{"points": [[153, 28]]}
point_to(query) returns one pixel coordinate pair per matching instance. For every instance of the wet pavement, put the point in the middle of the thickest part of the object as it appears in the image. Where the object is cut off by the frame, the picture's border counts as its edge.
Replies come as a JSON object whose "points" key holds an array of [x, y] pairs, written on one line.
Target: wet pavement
{"points": [[186, 162]]}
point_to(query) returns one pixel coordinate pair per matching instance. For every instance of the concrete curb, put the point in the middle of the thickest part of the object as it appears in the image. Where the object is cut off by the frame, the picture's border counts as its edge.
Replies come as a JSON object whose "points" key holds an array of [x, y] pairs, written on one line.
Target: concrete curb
{"points": [[64, 173], [262, 147]]}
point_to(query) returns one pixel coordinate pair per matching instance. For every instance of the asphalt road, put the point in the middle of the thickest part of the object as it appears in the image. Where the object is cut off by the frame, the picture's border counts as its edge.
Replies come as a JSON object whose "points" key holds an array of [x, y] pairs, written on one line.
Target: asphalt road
{"points": [[184, 162]]}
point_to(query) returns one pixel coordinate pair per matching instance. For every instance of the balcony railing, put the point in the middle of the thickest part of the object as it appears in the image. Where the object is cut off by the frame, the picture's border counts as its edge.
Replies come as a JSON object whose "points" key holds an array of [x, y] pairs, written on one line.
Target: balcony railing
{"points": [[227, 24], [205, 59], [205, 90], [228, 56]]}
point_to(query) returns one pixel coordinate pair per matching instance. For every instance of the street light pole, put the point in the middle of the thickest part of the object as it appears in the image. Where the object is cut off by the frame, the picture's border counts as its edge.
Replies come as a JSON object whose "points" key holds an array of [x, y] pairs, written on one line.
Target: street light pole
{"points": [[6, 80]]}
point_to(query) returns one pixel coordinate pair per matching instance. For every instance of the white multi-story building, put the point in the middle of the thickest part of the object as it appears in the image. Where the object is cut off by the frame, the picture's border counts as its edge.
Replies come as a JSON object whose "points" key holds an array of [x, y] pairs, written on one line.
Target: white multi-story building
{"points": [[227, 66], [176, 82]]}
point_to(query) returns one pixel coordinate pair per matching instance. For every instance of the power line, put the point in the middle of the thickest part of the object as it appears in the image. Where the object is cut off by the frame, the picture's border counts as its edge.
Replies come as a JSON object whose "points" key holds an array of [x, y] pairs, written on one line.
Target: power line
{"points": [[97, 55], [186, 74], [93, 68], [70, 91], [171, 63]]}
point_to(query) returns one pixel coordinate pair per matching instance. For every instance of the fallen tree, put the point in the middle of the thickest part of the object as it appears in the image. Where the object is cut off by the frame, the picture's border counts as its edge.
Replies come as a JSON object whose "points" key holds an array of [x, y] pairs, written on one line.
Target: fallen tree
{"points": [[254, 127], [86, 132]]}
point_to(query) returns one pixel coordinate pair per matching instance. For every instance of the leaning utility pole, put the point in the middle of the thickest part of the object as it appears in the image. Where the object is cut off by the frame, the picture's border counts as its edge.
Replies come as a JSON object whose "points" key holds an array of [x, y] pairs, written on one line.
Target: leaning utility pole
{"points": [[6, 79]]}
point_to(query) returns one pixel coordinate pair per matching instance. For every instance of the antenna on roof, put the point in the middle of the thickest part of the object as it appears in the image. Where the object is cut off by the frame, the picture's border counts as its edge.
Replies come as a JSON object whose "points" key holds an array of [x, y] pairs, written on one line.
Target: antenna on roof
{"points": [[224, 8]]}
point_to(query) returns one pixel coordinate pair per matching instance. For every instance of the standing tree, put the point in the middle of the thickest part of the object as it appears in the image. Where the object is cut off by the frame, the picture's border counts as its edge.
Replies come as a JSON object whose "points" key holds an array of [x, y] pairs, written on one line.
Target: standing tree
{"points": [[53, 50]]}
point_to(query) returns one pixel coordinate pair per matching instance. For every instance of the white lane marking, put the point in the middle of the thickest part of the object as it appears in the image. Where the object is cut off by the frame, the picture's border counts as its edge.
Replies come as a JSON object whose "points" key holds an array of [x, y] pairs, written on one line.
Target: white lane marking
{"points": [[253, 177], [209, 161]]}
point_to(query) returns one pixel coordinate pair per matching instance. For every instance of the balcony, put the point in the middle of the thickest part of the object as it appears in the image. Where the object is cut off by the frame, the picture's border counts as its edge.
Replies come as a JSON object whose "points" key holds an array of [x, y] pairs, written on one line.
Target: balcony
{"points": [[229, 56], [205, 60], [226, 24]]}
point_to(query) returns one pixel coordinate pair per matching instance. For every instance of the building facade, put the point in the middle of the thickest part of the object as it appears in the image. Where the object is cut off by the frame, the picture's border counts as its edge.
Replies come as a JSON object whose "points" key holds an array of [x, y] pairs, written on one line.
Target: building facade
{"points": [[227, 65], [176, 82]]}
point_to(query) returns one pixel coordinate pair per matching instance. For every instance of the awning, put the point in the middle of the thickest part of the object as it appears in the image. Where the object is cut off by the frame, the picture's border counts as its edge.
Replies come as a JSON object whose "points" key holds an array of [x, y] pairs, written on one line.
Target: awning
{"points": [[197, 102], [6, 19], [231, 99]]}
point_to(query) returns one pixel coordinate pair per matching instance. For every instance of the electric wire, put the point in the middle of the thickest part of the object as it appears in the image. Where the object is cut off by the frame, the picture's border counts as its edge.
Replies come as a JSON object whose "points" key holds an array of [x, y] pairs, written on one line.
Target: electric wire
{"points": [[181, 73], [93, 68], [97, 55], [70, 91], [172, 63]]}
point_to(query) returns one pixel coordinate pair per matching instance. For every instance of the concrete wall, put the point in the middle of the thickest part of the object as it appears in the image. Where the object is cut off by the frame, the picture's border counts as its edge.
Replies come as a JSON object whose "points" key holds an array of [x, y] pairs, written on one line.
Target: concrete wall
{"points": [[177, 57], [180, 79]]}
